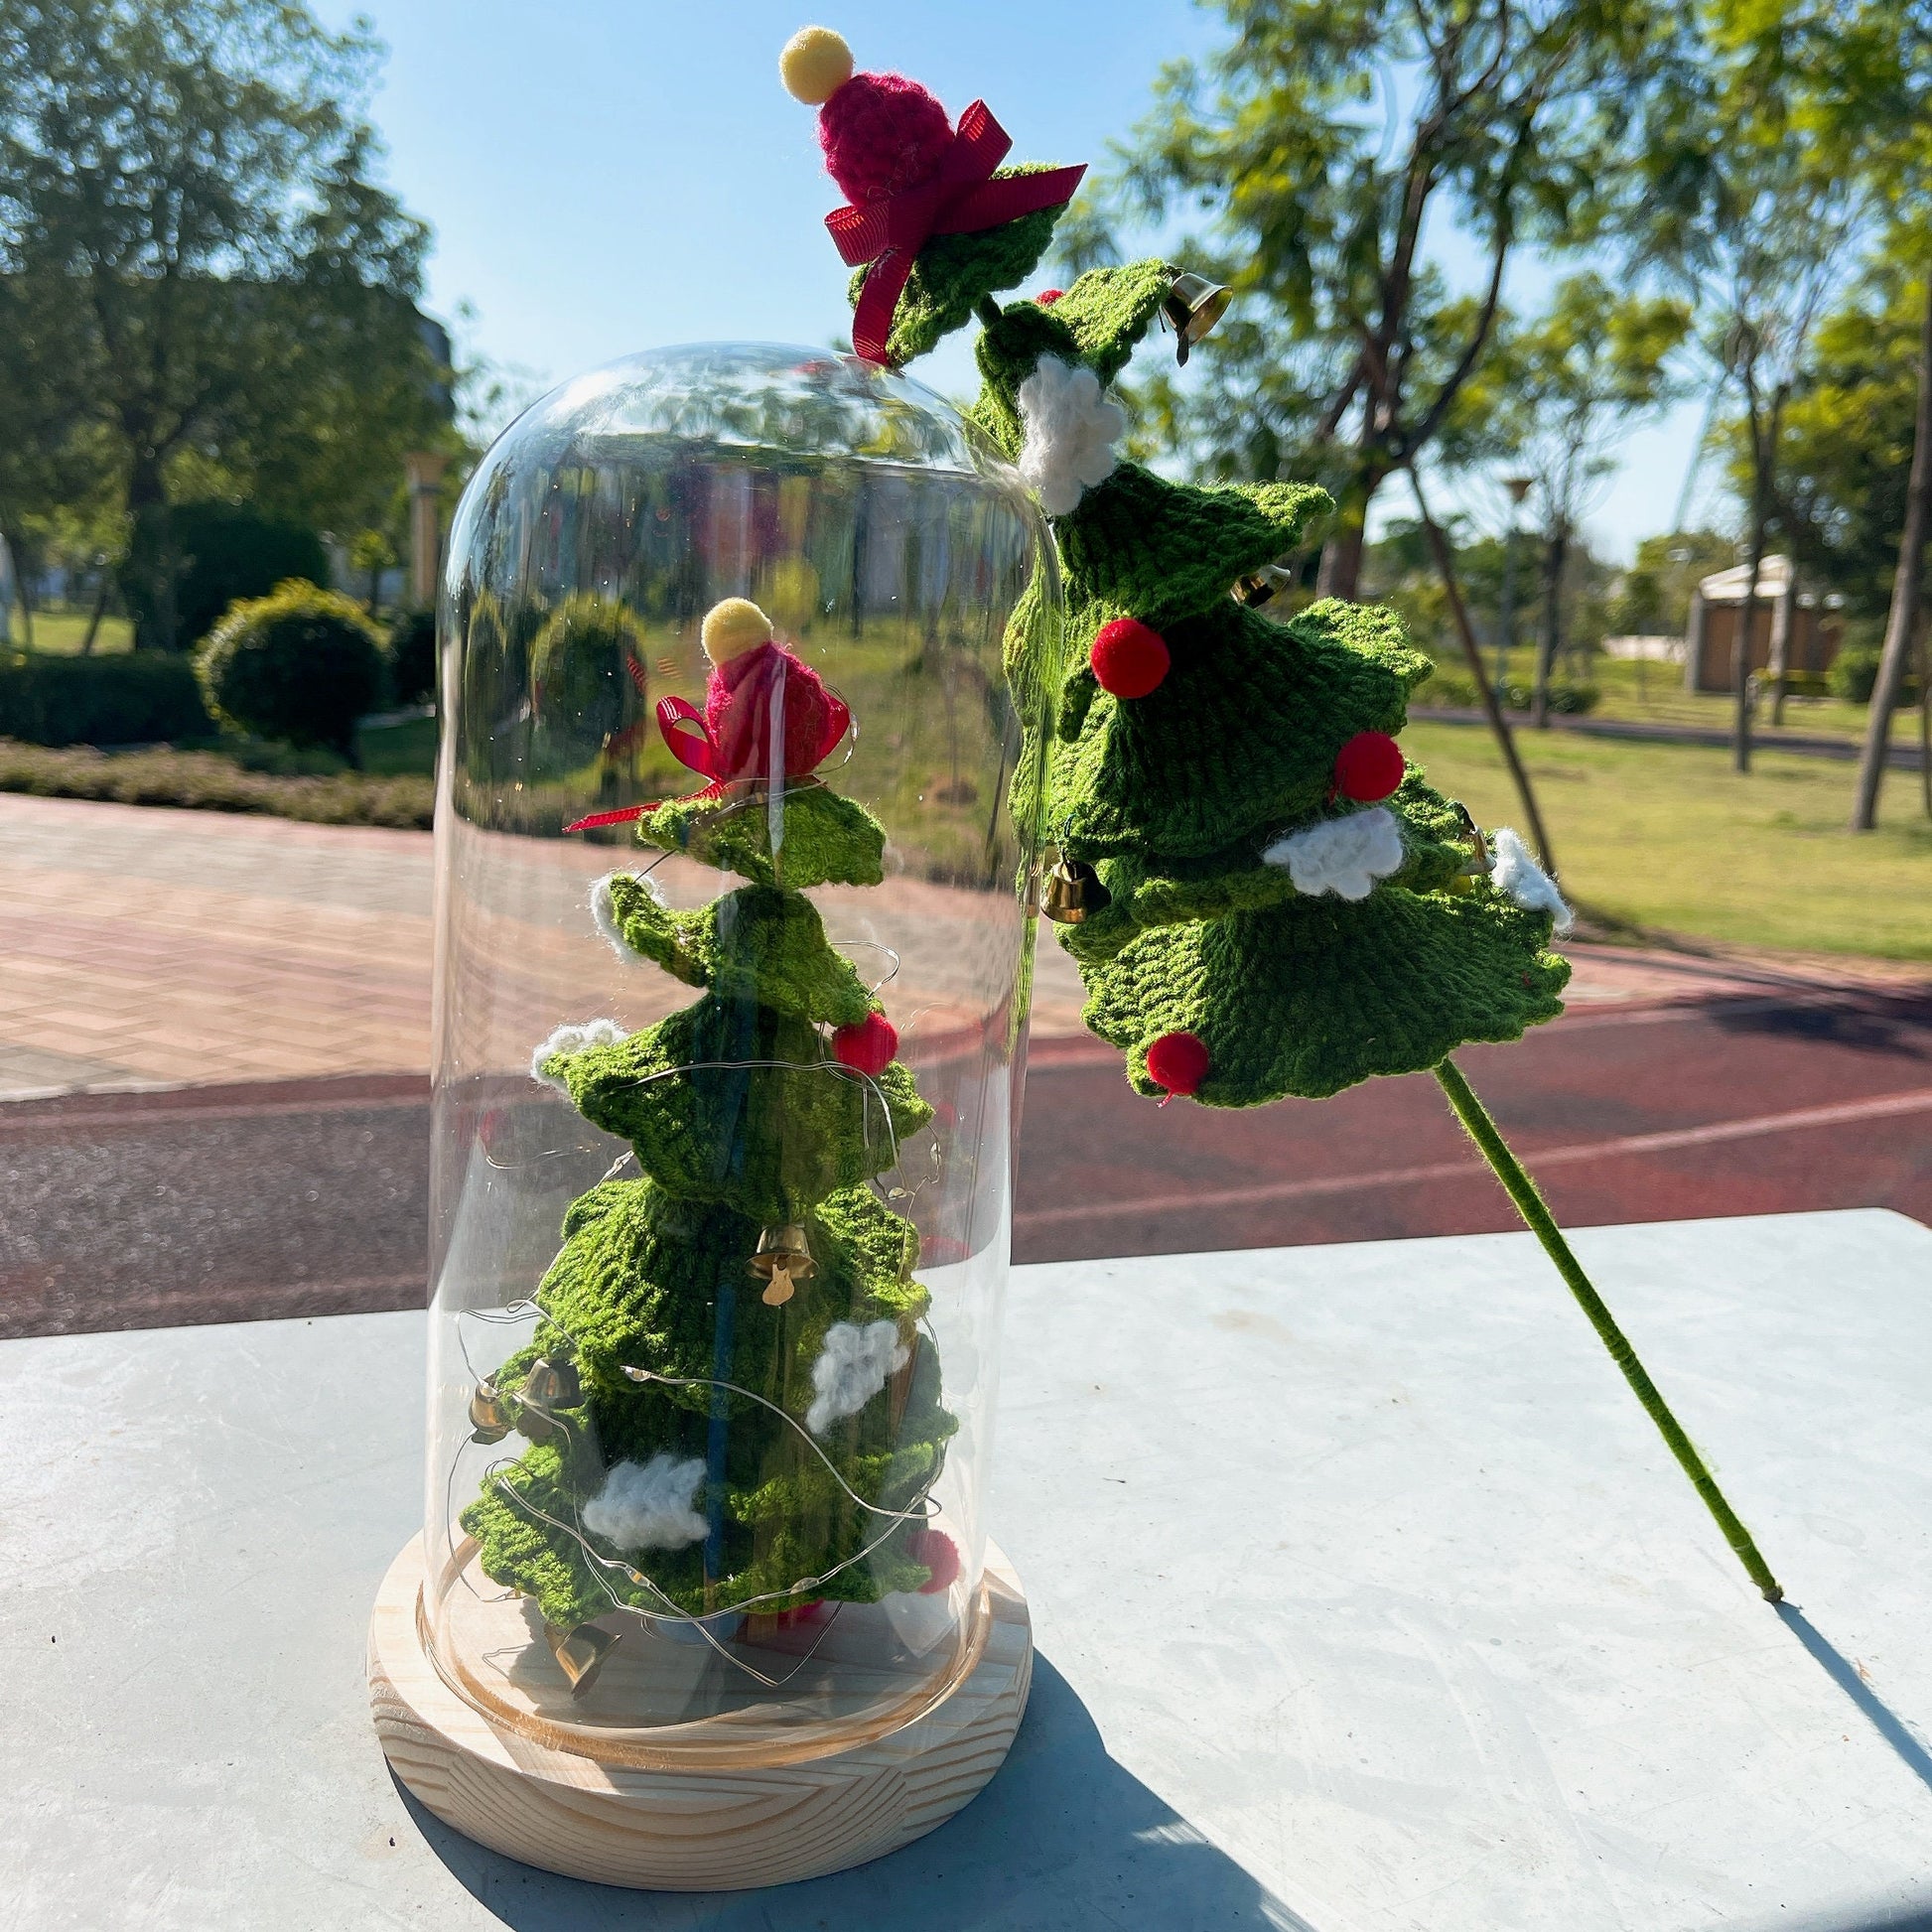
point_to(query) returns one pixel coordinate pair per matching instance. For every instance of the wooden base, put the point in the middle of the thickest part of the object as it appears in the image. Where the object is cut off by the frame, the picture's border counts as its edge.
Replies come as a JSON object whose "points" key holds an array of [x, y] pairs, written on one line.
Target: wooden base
{"points": [[701, 1829]]}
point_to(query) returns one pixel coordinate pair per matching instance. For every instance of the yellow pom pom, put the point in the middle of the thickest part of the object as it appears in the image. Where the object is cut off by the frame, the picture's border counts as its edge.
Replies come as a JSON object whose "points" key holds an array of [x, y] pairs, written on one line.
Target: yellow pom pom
{"points": [[733, 628], [815, 65]]}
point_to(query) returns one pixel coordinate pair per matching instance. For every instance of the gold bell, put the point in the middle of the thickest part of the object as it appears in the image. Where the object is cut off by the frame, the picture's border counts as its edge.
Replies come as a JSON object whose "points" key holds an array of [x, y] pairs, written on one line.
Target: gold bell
{"points": [[1192, 308], [580, 1652], [553, 1385], [1481, 865], [1260, 585], [489, 1413], [1073, 893], [781, 1262]]}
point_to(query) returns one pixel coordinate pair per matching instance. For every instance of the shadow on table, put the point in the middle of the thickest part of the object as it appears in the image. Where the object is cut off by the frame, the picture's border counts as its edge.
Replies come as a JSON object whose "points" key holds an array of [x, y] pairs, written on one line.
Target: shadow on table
{"points": [[1063, 1838]]}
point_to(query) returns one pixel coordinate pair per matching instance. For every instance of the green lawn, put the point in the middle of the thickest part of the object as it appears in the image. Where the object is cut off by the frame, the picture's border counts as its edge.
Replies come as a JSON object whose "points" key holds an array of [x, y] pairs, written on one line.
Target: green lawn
{"points": [[1656, 692], [399, 750], [1667, 837], [59, 633]]}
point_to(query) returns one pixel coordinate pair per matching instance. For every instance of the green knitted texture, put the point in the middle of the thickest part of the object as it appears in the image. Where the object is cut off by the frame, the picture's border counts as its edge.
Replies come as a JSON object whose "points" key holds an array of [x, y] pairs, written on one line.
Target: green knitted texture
{"points": [[1222, 751], [638, 1280], [742, 1121], [827, 840], [1144, 894], [1174, 797]]}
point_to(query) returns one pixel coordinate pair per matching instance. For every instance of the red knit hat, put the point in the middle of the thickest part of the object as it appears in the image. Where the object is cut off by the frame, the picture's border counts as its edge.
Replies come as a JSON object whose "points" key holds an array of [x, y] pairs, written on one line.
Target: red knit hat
{"points": [[881, 132]]}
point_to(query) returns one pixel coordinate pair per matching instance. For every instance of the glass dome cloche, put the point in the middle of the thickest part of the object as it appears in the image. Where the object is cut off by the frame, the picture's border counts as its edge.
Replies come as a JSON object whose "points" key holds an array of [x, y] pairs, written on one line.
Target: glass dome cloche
{"points": [[745, 673]]}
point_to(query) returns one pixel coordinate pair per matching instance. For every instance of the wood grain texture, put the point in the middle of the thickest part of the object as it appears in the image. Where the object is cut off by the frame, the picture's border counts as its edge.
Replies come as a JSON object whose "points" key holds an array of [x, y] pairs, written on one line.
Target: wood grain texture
{"points": [[698, 1830]]}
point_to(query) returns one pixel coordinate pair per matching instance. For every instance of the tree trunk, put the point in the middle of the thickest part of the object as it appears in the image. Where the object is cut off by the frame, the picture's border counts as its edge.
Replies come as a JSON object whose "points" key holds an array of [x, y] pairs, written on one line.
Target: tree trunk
{"points": [[1740, 644], [1925, 715], [1782, 619], [100, 611], [149, 571], [1695, 633], [1904, 592], [1556, 555], [1341, 556], [1473, 651]]}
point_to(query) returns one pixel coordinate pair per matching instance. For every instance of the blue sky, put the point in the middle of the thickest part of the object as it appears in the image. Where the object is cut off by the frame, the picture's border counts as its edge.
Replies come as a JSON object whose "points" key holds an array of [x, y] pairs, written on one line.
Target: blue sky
{"points": [[604, 178]]}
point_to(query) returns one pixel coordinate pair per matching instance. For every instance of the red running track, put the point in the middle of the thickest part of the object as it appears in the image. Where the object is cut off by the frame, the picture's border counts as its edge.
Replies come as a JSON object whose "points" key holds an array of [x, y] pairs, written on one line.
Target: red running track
{"points": [[1659, 1111]]}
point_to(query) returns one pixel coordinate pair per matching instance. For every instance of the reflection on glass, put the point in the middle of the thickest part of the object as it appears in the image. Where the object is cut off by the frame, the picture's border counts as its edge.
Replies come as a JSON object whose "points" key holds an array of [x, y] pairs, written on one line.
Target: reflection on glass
{"points": [[722, 1174]]}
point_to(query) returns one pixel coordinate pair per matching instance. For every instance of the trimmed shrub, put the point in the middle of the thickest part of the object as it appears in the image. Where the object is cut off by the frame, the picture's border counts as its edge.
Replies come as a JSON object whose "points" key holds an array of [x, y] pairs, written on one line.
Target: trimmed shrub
{"points": [[1854, 672], [1453, 687], [228, 552], [302, 665], [412, 657], [146, 698], [586, 675]]}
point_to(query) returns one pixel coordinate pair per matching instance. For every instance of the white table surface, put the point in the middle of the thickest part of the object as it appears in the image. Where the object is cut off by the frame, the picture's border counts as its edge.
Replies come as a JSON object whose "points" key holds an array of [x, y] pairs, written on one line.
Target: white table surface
{"points": [[1365, 1596]]}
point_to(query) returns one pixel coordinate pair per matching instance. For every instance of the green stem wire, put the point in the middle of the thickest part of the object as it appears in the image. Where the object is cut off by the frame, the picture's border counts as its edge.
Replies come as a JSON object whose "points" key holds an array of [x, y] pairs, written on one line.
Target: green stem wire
{"points": [[1529, 1203]]}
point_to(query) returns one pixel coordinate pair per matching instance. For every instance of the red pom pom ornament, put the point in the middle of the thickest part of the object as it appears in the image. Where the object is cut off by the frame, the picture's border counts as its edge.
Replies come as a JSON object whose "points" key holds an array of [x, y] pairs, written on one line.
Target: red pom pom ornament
{"points": [[1047, 297], [1129, 658], [881, 133], [937, 1551], [1179, 1063], [1369, 767], [868, 1047]]}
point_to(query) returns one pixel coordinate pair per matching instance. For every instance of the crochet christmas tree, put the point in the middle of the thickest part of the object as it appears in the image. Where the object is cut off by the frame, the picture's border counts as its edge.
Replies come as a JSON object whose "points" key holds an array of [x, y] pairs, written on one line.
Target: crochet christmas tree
{"points": [[728, 1400], [1263, 896]]}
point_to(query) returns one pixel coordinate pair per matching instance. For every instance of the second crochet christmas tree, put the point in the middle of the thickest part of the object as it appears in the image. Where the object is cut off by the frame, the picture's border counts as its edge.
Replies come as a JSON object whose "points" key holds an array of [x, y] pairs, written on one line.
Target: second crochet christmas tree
{"points": [[1263, 896]]}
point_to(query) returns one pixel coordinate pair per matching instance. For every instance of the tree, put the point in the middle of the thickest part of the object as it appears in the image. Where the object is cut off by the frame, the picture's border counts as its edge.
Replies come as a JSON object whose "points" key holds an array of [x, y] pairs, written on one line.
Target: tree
{"points": [[188, 186], [1555, 398], [1320, 188], [728, 1388], [1753, 193], [1846, 453], [1884, 117], [1654, 597]]}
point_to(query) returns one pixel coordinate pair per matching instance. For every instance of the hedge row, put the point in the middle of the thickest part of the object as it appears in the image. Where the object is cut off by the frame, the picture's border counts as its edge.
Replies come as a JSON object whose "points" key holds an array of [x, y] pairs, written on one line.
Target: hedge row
{"points": [[155, 697], [204, 781], [140, 698]]}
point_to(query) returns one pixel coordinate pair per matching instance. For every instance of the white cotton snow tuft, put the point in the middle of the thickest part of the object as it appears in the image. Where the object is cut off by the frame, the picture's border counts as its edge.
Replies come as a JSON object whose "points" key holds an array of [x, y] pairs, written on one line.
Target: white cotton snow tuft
{"points": [[648, 1505], [1519, 877], [1071, 429], [571, 1039], [851, 1369], [605, 913], [1343, 856]]}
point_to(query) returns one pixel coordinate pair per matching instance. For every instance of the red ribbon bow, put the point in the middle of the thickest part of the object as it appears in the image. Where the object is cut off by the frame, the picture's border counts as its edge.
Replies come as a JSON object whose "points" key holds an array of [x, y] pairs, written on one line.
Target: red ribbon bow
{"points": [[961, 199]]}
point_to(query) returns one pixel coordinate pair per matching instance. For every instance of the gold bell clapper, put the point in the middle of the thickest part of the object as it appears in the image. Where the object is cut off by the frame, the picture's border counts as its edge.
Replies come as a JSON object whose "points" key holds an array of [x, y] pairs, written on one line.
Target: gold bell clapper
{"points": [[553, 1385], [490, 1415], [580, 1653], [1260, 585], [1073, 893], [781, 1262], [1192, 308]]}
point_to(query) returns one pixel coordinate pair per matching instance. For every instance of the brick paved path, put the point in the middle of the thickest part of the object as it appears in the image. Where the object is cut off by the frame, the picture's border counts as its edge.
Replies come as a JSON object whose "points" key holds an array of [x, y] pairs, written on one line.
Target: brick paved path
{"points": [[142, 947]]}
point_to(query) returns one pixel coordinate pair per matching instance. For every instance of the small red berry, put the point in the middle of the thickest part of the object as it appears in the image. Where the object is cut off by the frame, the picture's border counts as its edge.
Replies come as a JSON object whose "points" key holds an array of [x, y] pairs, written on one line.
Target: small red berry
{"points": [[1047, 297], [868, 1046], [1369, 766], [1128, 659], [1179, 1063], [937, 1551]]}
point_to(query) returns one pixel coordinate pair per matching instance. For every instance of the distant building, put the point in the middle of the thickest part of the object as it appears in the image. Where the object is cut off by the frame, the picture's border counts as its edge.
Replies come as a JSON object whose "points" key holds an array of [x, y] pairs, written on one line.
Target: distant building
{"points": [[1790, 628]]}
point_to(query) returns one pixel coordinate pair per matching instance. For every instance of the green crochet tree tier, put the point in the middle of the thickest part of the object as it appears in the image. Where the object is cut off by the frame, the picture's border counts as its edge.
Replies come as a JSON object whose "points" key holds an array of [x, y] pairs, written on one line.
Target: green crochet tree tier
{"points": [[1264, 899], [728, 1398]]}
